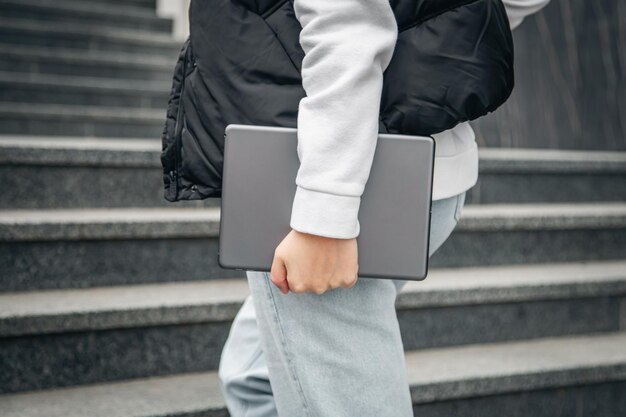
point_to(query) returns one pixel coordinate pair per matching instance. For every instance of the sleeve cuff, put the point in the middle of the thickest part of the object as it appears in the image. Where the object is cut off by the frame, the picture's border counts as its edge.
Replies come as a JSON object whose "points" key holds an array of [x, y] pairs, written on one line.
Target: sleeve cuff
{"points": [[325, 214]]}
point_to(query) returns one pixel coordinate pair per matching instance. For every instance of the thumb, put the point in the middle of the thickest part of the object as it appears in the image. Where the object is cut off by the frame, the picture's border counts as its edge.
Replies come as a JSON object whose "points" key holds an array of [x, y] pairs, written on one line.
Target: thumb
{"points": [[278, 274]]}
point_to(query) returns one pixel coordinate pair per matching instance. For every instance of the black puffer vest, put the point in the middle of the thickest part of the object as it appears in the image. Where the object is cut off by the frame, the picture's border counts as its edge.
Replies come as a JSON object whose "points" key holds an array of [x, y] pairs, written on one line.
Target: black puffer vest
{"points": [[241, 64]]}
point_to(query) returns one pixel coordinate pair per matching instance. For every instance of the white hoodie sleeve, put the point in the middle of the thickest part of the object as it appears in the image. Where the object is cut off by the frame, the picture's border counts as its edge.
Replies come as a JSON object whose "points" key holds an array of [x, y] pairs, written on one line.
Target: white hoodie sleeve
{"points": [[517, 10], [347, 45]]}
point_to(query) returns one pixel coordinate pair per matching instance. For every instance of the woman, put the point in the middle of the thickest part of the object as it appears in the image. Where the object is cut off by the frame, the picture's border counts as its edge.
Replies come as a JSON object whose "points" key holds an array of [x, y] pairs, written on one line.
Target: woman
{"points": [[313, 339]]}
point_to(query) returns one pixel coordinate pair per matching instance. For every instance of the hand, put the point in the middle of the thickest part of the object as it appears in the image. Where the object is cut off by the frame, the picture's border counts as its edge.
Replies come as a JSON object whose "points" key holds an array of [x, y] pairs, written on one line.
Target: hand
{"points": [[305, 262]]}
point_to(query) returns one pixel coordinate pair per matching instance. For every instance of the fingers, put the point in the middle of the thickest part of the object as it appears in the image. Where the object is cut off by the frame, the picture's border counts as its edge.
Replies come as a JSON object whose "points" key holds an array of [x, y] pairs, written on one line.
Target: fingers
{"points": [[321, 286], [349, 283], [278, 274], [355, 278]]}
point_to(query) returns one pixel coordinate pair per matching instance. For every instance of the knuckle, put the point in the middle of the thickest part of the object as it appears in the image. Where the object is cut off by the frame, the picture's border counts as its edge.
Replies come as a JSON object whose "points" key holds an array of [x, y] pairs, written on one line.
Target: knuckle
{"points": [[319, 290], [351, 282], [298, 287]]}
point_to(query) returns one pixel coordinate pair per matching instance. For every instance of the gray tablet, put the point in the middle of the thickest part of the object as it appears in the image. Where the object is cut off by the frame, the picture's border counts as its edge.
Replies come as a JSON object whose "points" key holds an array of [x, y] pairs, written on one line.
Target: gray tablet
{"points": [[260, 168]]}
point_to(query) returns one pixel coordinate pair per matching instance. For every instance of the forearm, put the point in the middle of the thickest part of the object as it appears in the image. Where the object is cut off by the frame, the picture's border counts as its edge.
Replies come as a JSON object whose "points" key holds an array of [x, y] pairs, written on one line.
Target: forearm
{"points": [[347, 44]]}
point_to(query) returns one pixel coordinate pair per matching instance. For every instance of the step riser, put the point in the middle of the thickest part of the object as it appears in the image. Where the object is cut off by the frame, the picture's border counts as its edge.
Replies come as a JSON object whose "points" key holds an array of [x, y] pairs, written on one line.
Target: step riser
{"points": [[550, 188], [17, 11], [90, 263], [527, 247], [149, 4], [485, 323], [95, 263], [89, 42], [99, 187], [83, 96], [98, 127], [128, 186], [58, 67], [606, 400], [144, 4], [63, 358], [71, 359]]}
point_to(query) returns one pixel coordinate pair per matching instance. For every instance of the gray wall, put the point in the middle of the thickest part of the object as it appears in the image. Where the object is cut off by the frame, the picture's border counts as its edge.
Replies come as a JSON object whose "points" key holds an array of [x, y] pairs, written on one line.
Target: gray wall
{"points": [[570, 87]]}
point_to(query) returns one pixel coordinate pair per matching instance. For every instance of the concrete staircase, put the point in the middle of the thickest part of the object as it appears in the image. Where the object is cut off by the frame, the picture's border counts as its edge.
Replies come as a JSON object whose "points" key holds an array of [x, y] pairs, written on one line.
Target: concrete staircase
{"points": [[112, 302]]}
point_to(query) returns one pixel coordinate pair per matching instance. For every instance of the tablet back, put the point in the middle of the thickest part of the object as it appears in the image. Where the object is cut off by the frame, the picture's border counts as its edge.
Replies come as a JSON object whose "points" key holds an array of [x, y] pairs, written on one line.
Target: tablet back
{"points": [[260, 168]]}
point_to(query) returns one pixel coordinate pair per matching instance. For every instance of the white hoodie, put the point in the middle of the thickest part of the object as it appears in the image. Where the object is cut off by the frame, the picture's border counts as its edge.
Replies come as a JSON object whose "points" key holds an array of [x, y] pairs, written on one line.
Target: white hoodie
{"points": [[347, 45]]}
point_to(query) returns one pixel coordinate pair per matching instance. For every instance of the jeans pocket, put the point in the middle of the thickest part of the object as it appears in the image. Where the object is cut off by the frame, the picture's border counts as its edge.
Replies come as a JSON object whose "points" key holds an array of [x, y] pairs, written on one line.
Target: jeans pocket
{"points": [[460, 202]]}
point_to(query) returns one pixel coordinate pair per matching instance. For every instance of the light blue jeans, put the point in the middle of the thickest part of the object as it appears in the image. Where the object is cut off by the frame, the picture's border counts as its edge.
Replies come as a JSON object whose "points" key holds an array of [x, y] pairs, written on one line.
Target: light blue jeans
{"points": [[336, 354]]}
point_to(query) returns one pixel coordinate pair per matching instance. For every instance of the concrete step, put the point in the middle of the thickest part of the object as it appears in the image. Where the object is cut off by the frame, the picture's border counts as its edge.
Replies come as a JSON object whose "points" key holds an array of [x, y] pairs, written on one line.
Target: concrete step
{"points": [[80, 121], [86, 37], [553, 377], [83, 91], [182, 327], [127, 173], [69, 248], [549, 175], [495, 234], [70, 62], [75, 11], [144, 4], [108, 173]]}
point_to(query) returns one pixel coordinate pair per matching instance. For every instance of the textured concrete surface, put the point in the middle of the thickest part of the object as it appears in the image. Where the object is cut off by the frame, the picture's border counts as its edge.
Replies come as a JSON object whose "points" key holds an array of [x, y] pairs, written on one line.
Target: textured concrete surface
{"points": [[92, 263], [46, 83], [77, 11], [477, 285], [49, 90], [438, 378], [460, 325], [150, 4], [87, 186], [69, 151], [557, 161], [109, 224], [120, 307], [54, 311], [85, 36], [78, 63], [593, 400], [461, 372], [542, 216], [499, 187], [64, 120], [475, 248], [45, 361], [186, 395], [77, 336]]}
